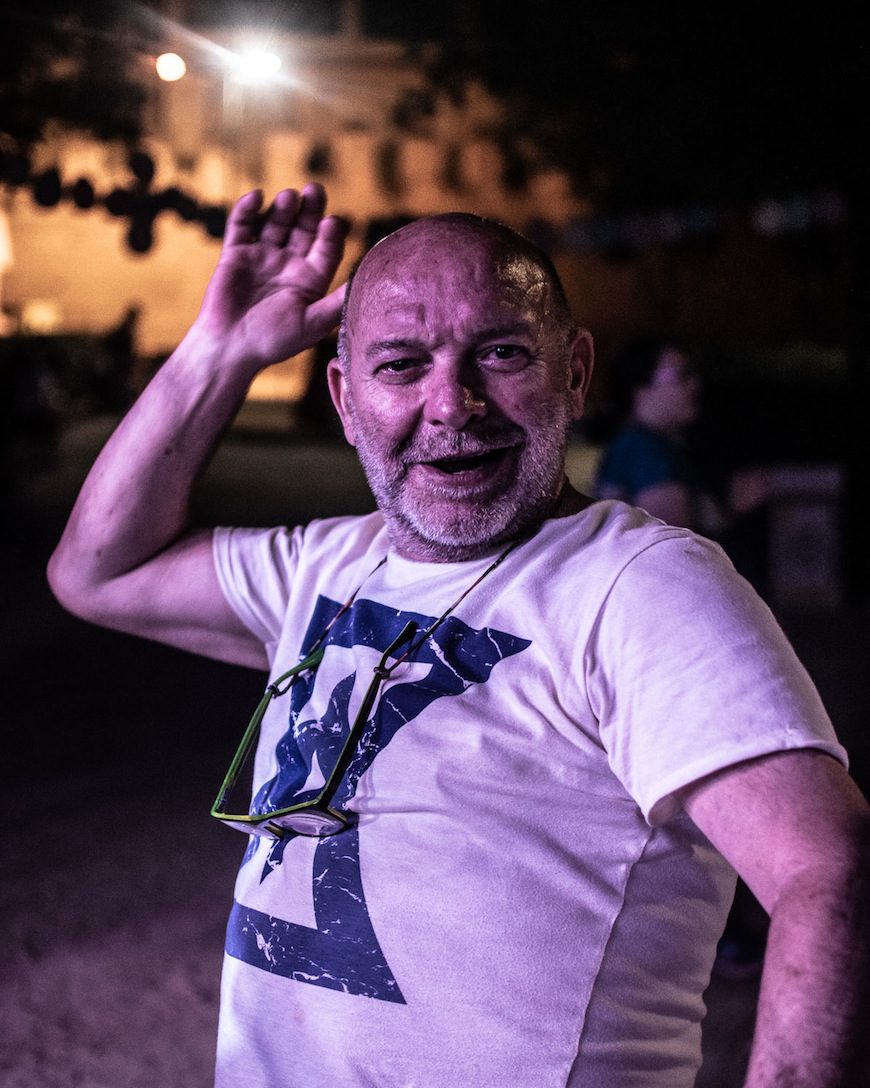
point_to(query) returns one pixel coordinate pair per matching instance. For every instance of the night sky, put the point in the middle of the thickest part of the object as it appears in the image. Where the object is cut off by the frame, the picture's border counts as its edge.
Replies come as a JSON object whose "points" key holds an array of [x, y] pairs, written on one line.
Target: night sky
{"points": [[641, 103]]}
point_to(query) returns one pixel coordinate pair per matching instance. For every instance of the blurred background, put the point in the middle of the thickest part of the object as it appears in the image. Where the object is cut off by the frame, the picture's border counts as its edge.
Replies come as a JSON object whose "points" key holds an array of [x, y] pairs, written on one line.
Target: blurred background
{"points": [[695, 171]]}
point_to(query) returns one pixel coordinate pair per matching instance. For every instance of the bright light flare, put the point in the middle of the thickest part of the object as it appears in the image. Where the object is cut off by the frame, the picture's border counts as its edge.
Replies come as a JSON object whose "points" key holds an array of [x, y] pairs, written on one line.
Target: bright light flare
{"points": [[170, 67], [254, 66]]}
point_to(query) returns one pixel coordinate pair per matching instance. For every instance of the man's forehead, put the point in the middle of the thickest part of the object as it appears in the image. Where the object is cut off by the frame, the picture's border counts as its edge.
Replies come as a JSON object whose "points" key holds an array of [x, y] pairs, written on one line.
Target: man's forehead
{"points": [[439, 320], [409, 273], [400, 309]]}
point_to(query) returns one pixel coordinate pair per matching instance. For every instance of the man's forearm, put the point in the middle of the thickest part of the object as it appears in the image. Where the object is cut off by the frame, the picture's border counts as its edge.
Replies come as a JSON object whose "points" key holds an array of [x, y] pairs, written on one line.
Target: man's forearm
{"points": [[136, 498], [125, 559], [812, 1023]]}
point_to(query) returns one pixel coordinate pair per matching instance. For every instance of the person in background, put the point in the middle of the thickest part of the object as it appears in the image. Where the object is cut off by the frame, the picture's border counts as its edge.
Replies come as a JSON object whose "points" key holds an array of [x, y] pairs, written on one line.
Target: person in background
{"points": [[646, 429], [653, 391]]}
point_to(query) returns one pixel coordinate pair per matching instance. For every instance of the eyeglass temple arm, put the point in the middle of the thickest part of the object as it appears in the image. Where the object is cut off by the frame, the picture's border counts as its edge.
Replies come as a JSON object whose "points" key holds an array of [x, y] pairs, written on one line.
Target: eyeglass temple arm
{"points": [[271, 692], [381, 672]]}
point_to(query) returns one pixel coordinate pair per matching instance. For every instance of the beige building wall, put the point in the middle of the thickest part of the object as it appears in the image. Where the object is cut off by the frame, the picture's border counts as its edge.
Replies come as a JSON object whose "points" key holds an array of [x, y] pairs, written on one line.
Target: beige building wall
{"points": [[72, 270]]}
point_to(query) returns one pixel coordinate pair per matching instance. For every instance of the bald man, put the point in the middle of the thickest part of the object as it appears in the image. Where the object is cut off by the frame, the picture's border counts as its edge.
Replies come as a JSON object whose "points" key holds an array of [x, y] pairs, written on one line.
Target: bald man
{"points": [[515, 744]]}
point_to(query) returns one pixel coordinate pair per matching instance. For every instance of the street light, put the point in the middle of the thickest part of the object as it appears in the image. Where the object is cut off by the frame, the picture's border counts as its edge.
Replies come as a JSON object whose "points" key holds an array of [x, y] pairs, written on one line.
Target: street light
{"points": [[170, 67], [246, 73], [242, 72], [254, 66]]}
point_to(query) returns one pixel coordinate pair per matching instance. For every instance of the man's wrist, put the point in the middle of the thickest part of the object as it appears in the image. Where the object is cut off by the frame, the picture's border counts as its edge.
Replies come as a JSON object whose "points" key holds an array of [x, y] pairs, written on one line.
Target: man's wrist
{"points": [[211, 352]]}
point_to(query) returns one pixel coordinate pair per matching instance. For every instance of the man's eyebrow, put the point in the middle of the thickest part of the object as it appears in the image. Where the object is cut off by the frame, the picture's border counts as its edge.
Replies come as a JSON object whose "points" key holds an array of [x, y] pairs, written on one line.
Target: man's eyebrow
{"points": [[379, 347], [402, 343]]}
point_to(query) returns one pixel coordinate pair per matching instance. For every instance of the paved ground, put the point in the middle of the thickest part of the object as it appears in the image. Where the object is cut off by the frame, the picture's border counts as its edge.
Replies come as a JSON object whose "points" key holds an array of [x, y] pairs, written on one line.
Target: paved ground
{"points": [[115, 883]]}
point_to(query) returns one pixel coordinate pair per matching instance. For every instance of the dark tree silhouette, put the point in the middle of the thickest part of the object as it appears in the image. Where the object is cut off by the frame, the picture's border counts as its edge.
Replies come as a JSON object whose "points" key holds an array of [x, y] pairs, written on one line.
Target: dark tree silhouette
{"points": [[68, 63]]}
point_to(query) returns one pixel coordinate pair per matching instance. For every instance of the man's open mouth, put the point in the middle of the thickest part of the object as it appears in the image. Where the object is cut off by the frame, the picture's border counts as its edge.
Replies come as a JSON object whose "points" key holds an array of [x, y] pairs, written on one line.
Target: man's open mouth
{"points": [[454, 465]]}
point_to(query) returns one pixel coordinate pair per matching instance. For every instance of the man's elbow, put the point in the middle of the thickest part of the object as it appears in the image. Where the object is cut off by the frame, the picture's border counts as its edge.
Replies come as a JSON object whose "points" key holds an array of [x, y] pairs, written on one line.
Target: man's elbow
{"points": [[71, 588], [838, 871]]}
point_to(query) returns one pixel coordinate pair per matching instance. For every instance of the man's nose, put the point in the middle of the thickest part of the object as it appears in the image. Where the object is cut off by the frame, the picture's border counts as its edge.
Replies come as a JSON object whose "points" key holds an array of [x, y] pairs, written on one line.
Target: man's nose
{"points": [[453, 398]]}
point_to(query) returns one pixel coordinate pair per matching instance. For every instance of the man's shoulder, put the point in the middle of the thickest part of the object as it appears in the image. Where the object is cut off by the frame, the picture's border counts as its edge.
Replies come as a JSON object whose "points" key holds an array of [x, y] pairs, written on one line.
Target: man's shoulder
{"points": [[326, 544], [598, 544], [285, 548], [614, 525]]}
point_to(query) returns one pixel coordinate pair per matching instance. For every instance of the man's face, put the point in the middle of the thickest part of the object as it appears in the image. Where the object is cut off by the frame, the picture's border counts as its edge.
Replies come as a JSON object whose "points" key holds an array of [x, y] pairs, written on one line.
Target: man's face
{"points": [[458, 390]]}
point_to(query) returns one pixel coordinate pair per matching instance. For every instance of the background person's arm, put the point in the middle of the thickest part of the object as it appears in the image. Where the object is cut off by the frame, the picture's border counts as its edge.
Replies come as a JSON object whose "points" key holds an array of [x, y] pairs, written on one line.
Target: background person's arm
{"points": [[796, 828], [125, 559]]}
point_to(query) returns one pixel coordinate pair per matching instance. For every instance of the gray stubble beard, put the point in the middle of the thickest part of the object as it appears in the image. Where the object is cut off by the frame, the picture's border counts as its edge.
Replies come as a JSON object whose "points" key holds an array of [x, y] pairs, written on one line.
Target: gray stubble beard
{"points": [[472, 532]]}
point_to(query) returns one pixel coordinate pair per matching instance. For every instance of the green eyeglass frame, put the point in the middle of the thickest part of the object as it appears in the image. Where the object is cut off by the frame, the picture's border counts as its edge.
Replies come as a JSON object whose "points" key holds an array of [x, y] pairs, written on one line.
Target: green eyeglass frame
{"points": [[317, 816]]}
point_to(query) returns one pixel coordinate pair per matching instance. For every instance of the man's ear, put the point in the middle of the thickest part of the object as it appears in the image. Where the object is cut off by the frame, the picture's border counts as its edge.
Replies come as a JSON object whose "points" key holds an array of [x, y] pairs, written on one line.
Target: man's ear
{"points": [[581, 363], [337, 382]]}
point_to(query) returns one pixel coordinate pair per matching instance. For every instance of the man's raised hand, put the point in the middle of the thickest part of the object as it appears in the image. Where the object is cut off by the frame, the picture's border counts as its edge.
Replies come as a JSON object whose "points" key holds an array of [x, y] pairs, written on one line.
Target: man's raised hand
{"points": [[267, 298]]}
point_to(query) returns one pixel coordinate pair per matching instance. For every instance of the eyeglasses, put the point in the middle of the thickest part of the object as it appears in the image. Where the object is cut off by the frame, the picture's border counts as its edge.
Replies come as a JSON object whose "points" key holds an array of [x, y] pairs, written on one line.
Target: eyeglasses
{"points": [[317, 816]]}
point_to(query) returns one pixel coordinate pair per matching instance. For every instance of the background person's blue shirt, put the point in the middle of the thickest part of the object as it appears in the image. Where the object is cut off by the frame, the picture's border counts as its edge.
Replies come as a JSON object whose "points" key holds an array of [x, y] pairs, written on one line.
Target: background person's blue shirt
{"points": [[638, 458]]}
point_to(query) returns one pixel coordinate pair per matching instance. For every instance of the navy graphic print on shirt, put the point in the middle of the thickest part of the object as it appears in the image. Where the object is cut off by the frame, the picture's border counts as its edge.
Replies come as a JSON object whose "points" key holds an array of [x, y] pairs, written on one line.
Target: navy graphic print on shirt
{"points": [[343, 952]]}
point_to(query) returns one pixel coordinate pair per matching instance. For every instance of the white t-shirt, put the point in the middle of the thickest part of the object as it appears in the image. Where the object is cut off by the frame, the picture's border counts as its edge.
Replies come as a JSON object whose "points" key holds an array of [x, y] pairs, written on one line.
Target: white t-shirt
{"points": [[522, 901]]}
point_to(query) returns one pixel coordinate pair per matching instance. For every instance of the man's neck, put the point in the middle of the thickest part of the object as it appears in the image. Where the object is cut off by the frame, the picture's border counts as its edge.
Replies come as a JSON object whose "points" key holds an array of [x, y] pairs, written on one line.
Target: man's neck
{"points": [[570, 501]]}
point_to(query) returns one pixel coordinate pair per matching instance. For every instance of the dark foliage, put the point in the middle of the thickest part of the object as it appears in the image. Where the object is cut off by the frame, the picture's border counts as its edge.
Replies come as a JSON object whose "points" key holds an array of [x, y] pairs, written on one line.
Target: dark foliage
{"points": [[70, 64], [651, 104]]}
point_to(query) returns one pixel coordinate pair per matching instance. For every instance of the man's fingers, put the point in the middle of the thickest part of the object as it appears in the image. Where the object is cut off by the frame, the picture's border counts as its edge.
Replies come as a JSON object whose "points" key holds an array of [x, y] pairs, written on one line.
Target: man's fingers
{"points": [[280, 218], [243, 221], [323, 316], [327, 249], [294, 222], [308, 219]]}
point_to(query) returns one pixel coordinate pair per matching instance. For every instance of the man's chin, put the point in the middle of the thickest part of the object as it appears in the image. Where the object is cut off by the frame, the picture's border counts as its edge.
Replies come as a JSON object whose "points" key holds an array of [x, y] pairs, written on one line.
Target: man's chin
{"points": [[447, 520], [453, 531]]}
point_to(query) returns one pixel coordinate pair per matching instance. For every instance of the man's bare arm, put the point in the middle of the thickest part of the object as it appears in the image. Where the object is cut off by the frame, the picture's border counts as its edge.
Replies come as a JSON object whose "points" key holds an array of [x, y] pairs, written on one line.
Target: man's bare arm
{"points": [[125, 559], [796, 828]]}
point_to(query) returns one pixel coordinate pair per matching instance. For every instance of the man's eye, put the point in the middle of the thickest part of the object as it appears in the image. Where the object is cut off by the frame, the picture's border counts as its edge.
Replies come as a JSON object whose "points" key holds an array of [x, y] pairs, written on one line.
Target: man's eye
{"points": [[398, 369], [505, 356]]}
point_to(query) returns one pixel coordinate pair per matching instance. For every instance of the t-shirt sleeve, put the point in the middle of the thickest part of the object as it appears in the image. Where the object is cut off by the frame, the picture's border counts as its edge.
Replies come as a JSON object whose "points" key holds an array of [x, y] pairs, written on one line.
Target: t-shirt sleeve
{"points": [[691, 673], [255, 568]]}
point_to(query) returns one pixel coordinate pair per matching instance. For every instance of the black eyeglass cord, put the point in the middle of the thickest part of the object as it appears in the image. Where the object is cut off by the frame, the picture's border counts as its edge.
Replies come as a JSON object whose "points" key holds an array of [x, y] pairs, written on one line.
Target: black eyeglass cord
{"points": [[386, 671]]}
